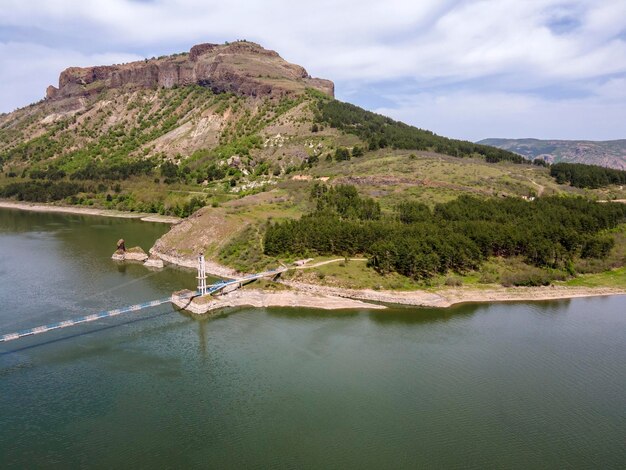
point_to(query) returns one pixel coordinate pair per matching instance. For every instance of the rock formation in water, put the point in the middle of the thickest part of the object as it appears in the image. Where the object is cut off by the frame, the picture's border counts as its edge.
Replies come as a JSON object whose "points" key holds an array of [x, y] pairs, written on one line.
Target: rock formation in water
{"points": [[132, 254]]}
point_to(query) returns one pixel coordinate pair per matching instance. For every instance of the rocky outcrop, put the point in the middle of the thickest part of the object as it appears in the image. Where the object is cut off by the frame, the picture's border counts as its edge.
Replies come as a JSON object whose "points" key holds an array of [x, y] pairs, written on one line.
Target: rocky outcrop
{"points": [[241, 67], [212, 268], [199, 49], [132, 254], [51, 92]]}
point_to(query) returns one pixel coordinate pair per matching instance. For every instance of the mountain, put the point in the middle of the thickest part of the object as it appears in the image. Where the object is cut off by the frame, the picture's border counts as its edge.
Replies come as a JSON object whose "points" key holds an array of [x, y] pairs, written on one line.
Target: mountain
{"points": [[609, 153], [118, 121], [242, 67], [173, 133], [234, 113], [235, 139]]}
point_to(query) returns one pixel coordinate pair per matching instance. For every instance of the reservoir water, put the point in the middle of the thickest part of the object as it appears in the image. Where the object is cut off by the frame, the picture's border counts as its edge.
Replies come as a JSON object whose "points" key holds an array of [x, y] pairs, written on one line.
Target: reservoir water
{"points": [[517, 385]]}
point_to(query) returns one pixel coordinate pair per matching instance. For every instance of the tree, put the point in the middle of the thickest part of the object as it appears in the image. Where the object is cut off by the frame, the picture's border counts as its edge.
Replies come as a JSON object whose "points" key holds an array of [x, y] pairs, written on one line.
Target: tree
{"points": [[357, 152], [342, 154], [169, 169]]}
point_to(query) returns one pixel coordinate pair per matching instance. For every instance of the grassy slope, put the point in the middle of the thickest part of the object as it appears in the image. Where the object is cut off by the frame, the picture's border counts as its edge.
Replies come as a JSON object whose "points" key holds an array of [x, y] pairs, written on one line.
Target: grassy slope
{"points": [[613, 278], [433, 178], [196, 128], [446, 177]]}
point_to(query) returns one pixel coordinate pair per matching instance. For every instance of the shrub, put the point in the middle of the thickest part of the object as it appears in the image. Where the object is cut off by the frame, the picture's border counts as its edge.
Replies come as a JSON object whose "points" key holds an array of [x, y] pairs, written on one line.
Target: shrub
{"points": [[453, 281], [342, 154], [488, 277], [527, 277], [357, 152]]}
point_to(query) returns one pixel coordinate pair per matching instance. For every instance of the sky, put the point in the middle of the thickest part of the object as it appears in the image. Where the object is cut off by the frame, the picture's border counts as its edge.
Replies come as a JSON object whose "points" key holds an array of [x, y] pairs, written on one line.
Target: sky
{"points": [[468, 69]]}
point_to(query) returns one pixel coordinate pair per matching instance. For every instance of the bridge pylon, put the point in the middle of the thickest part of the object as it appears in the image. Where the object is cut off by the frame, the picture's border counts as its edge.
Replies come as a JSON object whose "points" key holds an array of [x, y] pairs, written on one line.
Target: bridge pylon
{"points": [[202, 287]]}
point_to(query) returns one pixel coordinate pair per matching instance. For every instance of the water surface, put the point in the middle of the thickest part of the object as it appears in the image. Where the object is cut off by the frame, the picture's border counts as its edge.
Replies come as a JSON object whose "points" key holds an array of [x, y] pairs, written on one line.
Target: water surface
{"points": [[521, 385]]}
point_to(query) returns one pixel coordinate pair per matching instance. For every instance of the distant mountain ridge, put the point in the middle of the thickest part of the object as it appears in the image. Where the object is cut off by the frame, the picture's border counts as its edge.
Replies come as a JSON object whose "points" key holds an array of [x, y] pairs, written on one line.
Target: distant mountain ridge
{"points": [[608, 153]]}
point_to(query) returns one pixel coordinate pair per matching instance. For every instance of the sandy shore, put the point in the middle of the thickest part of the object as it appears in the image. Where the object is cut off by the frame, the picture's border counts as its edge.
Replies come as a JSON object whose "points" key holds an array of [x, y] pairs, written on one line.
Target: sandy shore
{"points": [[260, 298], [26, 206], [327, 298], [447, 297]]}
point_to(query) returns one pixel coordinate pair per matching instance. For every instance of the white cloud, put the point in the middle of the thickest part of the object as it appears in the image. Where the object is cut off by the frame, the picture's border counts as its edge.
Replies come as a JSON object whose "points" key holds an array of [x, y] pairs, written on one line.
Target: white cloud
{"points": [[363, 40], [475, 116]]}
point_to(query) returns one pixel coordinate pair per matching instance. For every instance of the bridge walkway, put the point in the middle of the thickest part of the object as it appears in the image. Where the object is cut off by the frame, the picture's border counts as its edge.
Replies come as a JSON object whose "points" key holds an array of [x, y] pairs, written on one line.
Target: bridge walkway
{"points": [[211, 289]]}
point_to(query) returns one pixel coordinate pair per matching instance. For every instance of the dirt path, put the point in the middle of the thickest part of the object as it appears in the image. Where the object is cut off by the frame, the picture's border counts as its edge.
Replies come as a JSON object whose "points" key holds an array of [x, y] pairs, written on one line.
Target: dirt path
{"points": [[322, 263], [541, 188]]}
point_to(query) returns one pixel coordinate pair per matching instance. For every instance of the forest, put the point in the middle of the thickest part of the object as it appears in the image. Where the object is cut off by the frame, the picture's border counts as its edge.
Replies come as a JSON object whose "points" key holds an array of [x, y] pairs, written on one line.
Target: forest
{"points": [[383, 132], [456, 236], [41, 191], [586, 176]]}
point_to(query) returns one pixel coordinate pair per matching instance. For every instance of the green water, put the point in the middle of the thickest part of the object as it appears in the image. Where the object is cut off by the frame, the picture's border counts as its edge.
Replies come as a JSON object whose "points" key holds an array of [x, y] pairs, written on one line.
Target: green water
{"points": [[524, 385]]}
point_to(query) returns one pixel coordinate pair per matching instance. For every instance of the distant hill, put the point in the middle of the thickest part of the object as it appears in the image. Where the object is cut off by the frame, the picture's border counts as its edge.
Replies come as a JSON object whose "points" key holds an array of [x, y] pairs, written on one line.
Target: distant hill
{"points": [[609, 153]]}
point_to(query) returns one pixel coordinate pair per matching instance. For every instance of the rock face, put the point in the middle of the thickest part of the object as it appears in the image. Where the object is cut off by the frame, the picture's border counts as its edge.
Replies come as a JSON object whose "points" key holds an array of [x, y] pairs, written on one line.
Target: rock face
{"points": [[241, 67]]}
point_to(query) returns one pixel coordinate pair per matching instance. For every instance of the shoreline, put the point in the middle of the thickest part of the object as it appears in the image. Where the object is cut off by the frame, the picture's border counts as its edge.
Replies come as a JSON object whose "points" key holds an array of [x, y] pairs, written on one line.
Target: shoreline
{"points": [[212, 268], [79, 210], [259, 298], [331, 298], [448, 297], [322, 298], [328, 298], [442, 298]]}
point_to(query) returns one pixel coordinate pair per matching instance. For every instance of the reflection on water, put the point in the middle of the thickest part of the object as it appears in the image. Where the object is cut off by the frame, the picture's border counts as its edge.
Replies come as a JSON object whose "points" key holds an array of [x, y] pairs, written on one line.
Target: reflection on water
{"points": [[508, 385]]}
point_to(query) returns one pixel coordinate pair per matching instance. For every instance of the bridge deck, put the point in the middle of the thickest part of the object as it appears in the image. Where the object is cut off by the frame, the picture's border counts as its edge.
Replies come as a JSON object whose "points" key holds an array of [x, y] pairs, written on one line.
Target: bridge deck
{"points": [[213, 288], [86, 319]]}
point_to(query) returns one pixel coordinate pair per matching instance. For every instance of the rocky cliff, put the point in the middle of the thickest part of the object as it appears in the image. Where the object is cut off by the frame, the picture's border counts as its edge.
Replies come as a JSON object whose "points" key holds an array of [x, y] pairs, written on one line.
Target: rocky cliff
{"points": [[242, 67]]}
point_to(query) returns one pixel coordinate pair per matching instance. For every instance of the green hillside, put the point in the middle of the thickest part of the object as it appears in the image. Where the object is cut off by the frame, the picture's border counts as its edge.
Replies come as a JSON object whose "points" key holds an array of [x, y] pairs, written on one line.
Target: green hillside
{"points": [[245, 163]]}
